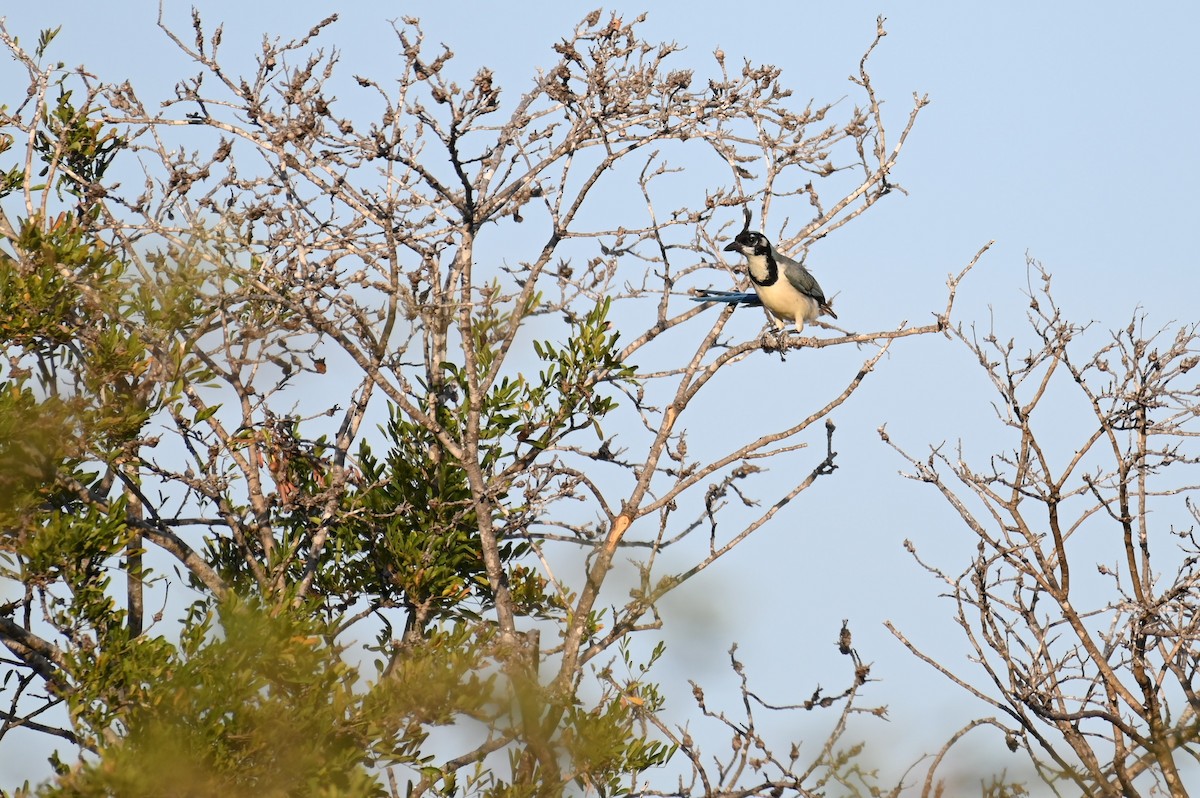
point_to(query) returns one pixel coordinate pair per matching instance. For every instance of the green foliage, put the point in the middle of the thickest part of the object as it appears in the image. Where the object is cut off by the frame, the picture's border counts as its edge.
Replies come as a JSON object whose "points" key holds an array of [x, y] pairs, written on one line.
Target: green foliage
{"points": [[253, 704], [11, 179], [256, 701], [605, 749], [565, 398], [57, 300], [60, 276], [79, 383], [106, 670], [410, 534], [77, 149], [36, 438], [606, 746]]}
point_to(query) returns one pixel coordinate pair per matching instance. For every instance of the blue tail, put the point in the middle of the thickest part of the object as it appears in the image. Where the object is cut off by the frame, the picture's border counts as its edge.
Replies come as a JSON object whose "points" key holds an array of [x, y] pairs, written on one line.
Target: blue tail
{"points": [[728, 297]]}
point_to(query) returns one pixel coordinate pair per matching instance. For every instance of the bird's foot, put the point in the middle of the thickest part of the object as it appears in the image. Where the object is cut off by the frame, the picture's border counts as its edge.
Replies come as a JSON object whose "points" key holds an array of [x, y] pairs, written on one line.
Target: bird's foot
{"points": [[773, 341]]}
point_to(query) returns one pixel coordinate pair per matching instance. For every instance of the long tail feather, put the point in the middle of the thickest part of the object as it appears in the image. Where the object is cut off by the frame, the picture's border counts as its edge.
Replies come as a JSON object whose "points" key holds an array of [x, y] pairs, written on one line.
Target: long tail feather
{"points": [[748, 298]]}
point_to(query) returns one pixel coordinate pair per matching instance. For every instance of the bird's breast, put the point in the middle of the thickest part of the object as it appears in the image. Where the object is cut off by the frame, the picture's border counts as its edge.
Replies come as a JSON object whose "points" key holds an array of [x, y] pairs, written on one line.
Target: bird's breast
{"points": [[782, 299]]}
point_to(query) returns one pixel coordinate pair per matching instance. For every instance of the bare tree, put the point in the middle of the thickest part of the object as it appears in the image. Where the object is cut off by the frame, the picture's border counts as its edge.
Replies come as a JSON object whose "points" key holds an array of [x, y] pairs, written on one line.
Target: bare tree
{"points": [[1092, 676], [446, 269]]}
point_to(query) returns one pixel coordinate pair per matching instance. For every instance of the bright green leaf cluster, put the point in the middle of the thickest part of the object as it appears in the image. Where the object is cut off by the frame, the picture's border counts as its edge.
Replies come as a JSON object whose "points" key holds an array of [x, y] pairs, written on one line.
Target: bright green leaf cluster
{"points": [[253, 704], [77, 148], [410, 533]]}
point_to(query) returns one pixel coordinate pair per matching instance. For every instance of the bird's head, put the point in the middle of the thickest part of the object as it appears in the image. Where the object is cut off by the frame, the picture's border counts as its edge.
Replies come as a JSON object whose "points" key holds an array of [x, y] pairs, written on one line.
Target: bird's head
{"points": [[749, 243]]}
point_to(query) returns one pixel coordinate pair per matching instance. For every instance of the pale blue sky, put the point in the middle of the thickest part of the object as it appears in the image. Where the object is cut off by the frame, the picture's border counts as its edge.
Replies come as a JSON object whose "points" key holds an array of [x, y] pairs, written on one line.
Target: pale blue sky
{"points": [[1061, 130]]}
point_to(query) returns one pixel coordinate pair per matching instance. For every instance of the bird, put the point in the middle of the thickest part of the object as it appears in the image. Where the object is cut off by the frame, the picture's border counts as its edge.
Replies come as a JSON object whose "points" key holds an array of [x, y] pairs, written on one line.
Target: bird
{"points": [[782, 285]]}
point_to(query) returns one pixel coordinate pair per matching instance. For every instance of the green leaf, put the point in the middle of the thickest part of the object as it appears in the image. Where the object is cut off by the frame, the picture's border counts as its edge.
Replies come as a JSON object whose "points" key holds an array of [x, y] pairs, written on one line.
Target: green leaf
{"points": [[206, 413]]}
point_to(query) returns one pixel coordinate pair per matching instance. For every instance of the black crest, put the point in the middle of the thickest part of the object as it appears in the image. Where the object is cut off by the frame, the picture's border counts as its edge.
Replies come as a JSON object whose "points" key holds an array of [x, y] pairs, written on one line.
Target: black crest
{"points": [[748, 241]]}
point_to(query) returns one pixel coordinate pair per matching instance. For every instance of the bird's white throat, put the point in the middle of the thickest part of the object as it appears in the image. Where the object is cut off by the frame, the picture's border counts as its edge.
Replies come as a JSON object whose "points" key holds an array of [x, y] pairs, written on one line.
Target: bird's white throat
{"points": [[757, 266]]}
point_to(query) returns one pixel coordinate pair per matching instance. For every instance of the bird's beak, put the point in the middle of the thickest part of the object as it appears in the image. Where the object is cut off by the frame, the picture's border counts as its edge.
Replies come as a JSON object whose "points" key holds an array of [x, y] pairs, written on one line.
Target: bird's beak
{"points": [[733, 247]]}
